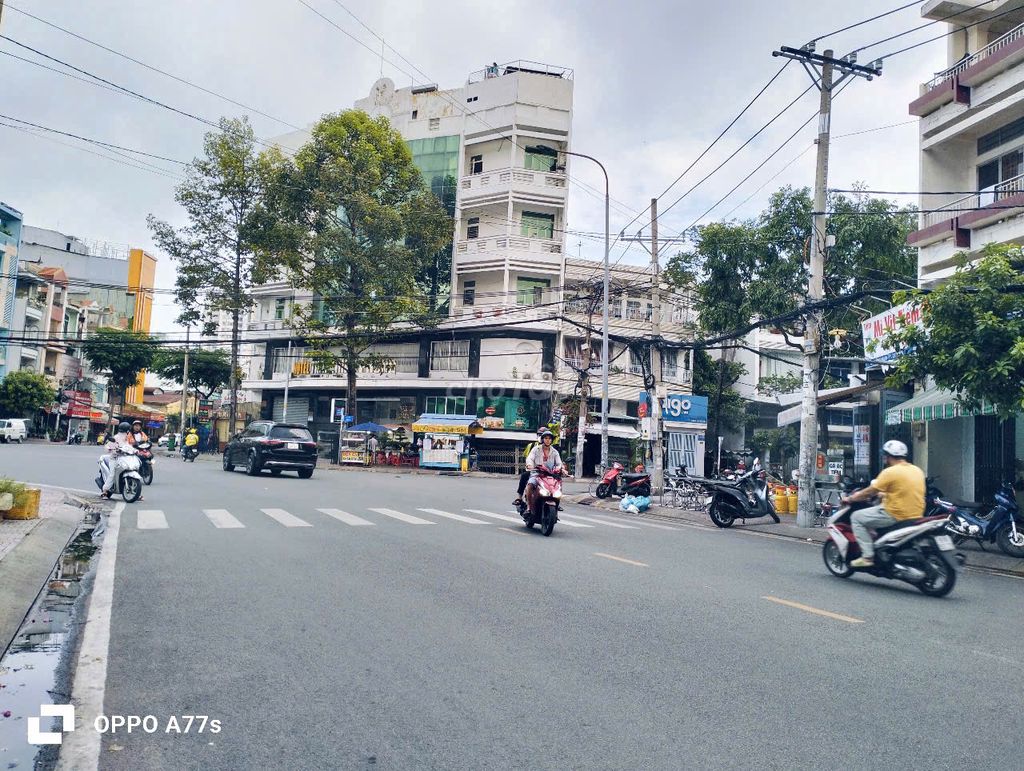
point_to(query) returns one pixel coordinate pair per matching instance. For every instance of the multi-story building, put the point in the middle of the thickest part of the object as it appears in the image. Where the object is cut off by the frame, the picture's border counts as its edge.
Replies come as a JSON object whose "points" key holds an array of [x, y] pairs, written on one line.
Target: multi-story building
{"points": [[972, 175], [491, 151], [10, 238]]}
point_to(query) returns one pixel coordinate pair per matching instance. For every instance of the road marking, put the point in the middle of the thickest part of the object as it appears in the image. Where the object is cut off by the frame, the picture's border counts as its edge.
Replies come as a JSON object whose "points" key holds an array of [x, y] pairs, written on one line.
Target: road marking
{"points": [[222, 518], [561, 518], [81, 748], [517, 520], [600, 522], [344, 516], [407, 518], [152, 519], [510, 530], [605, 520], [621, 559], [286, 519], [816, 611], [456, 517]]}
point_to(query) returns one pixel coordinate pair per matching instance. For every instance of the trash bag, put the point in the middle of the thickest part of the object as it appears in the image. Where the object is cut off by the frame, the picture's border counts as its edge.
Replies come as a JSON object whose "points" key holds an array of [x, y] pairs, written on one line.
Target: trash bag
{"points": [[642, 502], [626, 502]]}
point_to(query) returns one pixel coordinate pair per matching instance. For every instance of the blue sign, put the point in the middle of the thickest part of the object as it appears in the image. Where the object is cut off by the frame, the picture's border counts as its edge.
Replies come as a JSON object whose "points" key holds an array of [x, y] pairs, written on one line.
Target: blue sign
{"points": [[678, 408], [350, 418]]}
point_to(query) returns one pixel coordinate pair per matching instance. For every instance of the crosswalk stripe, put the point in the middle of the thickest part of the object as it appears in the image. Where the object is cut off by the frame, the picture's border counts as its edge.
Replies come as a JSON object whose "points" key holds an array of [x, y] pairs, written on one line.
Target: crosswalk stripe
{"points": [[407, 518], [286, 519], [638, 523], [518, 520], [152, 519], [600, 522], [456, 517], [344, 516], [222, 518]]}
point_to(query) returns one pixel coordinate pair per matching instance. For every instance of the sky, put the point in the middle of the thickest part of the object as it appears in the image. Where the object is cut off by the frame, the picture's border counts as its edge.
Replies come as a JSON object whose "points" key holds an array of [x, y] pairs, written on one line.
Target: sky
{"points": [[654, 82]]}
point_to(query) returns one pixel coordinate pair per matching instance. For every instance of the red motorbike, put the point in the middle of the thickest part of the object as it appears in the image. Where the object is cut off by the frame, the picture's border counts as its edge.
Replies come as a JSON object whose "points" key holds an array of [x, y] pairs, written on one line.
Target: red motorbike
{"points": [[618, 480], [545, 501]]}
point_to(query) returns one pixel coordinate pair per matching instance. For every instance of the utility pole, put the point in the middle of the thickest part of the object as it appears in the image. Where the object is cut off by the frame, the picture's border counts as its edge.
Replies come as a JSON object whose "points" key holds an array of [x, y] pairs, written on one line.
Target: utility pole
{"points": [[658, 475], [822, 69], [184, 388], [584, 389]]}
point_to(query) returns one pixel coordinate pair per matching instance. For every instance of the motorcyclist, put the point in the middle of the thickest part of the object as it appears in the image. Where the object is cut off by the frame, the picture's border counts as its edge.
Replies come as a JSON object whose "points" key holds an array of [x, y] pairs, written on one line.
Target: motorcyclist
{"points": [[117, 445], [525, 476], [137, 435], [543, 455], [902, 486], [191, 441]]}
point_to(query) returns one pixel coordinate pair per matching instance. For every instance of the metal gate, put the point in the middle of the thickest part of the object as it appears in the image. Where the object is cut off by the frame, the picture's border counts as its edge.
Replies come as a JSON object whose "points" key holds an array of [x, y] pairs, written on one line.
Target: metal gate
{"points": [[298, 410], [994, 454], [500, 457], [682, 451]]}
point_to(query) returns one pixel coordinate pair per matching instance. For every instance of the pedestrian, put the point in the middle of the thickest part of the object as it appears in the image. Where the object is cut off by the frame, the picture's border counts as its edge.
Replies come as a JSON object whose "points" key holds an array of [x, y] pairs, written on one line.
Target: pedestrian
{"points": [[372, 444]]}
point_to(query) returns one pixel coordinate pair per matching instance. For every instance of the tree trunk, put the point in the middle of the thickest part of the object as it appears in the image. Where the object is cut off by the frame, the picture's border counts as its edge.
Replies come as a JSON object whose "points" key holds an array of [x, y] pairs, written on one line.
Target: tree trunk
{"points": [[351, 372], [233, 382]]}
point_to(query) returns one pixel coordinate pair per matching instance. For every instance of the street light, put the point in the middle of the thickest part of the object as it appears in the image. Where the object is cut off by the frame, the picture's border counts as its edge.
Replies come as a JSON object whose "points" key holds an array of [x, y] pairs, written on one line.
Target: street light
{"points": [[552, 152]]}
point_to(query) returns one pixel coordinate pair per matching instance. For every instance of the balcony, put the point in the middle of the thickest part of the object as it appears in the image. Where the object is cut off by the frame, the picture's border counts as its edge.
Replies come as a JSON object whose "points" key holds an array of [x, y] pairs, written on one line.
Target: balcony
{"points": [[502, 313], [498, 251], [540, 186], [958, 218], [955, 83]]}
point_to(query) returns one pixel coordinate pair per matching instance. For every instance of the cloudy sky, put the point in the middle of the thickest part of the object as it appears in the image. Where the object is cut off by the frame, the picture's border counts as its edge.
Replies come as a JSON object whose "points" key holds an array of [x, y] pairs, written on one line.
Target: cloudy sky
{"points": [[655, 81]]}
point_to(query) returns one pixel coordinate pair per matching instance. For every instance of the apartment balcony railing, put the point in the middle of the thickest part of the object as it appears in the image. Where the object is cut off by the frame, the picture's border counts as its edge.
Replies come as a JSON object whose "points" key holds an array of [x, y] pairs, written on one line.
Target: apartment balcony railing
{"points": [[977, 210], [501, 245], [1015, 34], [501, 181], [400, 365], [505, 312]]}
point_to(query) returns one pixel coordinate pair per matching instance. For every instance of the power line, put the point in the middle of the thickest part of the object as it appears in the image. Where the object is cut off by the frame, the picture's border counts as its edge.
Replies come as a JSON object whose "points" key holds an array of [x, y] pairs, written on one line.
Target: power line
{"points": [[866, 21], [876, 128], [769, 181]]}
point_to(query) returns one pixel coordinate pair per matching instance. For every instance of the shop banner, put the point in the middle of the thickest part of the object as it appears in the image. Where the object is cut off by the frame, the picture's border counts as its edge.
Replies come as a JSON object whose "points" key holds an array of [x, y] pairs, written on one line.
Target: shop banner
{"points": [[877, 327]]}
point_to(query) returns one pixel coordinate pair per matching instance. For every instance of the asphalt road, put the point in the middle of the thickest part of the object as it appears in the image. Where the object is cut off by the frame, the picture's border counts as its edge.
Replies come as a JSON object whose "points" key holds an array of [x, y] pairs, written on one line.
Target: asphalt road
{"points": [[320, 642]]}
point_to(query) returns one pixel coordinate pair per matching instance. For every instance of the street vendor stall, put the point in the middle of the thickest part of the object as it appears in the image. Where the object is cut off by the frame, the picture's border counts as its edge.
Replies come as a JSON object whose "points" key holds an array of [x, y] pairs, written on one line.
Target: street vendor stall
{"points": [[352, 448], [445, 439]]}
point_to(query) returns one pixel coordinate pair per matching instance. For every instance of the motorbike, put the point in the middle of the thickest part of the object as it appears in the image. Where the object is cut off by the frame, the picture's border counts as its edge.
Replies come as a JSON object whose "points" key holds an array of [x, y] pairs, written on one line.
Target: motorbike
{"points": [[746, 497], [189, 453], [917, 551], [128, 483], [1002, 524], [618, 480], [545, 502], [146, 461]]}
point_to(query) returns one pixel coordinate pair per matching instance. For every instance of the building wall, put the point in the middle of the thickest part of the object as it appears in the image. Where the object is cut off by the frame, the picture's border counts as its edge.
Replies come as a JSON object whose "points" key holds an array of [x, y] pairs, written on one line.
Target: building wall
{"points": [[141, 280]]}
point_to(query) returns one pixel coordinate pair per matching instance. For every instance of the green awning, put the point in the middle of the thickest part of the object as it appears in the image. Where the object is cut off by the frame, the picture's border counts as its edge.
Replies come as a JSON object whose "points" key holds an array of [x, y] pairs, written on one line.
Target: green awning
{"points": [[932, 404]]}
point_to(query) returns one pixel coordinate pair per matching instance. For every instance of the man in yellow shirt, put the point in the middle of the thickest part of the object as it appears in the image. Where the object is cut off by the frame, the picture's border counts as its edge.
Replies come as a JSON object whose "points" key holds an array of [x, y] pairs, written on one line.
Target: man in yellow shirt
{"points": [[902, 485]]}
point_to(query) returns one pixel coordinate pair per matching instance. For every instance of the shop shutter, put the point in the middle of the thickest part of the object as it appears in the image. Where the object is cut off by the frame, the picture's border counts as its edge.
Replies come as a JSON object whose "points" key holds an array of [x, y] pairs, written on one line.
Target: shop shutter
{"points": [[298, 410]]}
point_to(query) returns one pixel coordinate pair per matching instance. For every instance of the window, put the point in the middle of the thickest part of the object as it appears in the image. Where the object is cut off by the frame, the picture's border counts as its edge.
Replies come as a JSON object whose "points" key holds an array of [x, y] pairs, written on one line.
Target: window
{"points": [[778, 364], [839, 417], [576, 355], [472, 98], [476, 164], [579, 305], [649, 313], [538, 225], [415, 114], [291, 432], [1009, 132], [279, 306], [530, 291], [469, 293], [634, 310], [435, 124], [449, 356], [615, 309], [473, 227], [669, 363], [445, 405], [637, 364], [539, 162]]}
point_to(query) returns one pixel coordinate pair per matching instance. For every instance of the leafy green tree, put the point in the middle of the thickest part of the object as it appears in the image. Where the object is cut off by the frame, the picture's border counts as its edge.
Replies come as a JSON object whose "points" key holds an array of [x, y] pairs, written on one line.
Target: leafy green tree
{"points": [[120, 354], [216, 251], [22, 393], [341, 218], [971, 337], [208, 371]]}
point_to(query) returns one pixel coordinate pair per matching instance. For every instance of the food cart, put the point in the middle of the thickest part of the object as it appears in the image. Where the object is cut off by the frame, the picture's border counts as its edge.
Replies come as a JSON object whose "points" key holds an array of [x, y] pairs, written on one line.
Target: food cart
{"points": [[445, 439], [352, 448]]}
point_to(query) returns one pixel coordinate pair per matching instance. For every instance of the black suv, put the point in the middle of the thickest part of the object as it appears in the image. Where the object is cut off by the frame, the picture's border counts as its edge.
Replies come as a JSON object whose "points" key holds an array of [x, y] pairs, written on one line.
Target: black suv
{"points": [[275, 446]]}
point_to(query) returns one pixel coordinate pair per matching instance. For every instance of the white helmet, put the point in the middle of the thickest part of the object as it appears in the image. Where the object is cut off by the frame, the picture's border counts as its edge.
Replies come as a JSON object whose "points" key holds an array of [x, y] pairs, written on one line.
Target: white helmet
{"points": [[895, 448]]}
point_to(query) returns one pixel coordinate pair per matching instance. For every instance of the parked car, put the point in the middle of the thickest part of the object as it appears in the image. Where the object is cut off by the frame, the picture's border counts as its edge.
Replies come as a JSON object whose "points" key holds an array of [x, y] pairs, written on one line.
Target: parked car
{"points": [[13, 430], [274, 446], [162, 441]]}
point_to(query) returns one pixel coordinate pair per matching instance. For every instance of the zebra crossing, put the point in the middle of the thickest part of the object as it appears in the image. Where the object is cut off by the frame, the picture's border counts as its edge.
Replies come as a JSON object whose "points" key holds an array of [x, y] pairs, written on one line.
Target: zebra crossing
{"points": [[223, 519]]}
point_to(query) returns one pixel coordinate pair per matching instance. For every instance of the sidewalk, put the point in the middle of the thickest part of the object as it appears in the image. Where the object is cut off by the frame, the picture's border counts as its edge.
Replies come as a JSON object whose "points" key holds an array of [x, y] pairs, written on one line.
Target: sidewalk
{"points": [[990, 559], [28, 551]]}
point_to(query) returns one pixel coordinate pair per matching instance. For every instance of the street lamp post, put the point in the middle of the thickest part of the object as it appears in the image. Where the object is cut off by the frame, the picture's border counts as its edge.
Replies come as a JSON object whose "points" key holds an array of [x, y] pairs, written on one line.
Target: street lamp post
{"points": [[550, 151]]}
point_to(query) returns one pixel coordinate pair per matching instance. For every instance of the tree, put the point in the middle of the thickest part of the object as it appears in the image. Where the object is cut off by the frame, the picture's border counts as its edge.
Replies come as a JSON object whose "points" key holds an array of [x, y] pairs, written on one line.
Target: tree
{"points": [[22, 393], [218, 262], [971, 336], [430, 241], [341, 218], [208, 371], [120, 354]]}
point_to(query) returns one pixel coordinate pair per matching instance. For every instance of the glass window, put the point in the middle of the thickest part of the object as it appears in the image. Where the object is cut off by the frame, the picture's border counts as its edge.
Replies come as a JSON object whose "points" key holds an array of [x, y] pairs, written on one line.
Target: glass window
{"points": [[530, 291], [669, 359], [476, 164], [290, 432], [574, 354], [634, 310], [615, 309], [449, 356], [279, 307], [473, 227], [638, 364], [538, 225], [469, 293], [578, 305], [445, 405], [539, 162]]}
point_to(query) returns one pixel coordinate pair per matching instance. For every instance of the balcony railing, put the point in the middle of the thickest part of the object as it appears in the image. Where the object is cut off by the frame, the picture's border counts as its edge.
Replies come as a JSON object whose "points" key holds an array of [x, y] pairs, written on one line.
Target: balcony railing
{"points": [[400, 365], [974, 202], [1013, 35], [501, 179], [508, 243]]}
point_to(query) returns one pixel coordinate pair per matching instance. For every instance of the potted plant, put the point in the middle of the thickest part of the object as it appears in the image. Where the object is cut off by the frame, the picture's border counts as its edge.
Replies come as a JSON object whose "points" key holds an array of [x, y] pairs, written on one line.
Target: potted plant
{"points": [[13, 495]]}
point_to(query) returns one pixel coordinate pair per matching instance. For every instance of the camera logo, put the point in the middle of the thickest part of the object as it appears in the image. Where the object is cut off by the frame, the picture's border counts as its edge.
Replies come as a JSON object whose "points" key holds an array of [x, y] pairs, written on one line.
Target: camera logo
{"points": [[66, 712]]}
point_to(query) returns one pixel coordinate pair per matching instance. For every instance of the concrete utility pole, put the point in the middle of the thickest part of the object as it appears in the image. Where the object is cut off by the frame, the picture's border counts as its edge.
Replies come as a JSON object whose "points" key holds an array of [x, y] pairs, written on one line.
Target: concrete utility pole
{"points": [[658, 475], [584, 408], [184, 388], [822, 70]]}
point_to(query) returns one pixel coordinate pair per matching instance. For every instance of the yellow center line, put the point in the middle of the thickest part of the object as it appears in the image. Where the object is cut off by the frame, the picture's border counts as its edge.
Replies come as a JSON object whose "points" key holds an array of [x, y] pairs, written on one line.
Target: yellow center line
{"points": [[816, 611], [510, 530], [621, 559]]}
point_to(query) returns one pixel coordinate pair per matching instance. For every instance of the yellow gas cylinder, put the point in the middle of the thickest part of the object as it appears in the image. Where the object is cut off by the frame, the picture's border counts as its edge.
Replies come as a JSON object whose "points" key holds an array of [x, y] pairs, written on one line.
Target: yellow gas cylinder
{"points": [[781, 501], [793, 500]]}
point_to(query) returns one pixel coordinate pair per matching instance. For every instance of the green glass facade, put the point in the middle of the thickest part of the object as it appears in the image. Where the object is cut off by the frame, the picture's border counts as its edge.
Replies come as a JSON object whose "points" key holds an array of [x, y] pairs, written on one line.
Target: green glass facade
{"points": [[437, 158]]}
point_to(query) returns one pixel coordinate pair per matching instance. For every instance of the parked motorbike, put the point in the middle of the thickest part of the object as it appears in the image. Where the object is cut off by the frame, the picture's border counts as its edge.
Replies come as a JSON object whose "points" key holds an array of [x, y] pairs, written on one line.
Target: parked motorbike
{"points": [[1002, 524], [545, 502], [746, 497], [146, 461], [128, 482], [617, 480], [917, 551]]}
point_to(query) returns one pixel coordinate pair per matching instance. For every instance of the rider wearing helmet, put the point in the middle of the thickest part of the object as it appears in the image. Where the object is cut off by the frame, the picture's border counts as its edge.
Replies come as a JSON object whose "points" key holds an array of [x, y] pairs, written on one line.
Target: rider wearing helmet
{"points": [[525, 476], [116, 445], [137, 434], [543, 455], [902, 486]]}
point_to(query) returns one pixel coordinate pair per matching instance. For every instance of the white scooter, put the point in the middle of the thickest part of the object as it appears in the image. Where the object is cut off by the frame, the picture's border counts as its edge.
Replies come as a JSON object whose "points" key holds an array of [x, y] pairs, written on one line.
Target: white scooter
{"points": [[128, 480]]}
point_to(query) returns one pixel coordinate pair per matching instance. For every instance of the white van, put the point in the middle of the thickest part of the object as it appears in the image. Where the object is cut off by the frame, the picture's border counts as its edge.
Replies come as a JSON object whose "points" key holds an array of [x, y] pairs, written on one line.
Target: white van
{"points": [[13, 430]]}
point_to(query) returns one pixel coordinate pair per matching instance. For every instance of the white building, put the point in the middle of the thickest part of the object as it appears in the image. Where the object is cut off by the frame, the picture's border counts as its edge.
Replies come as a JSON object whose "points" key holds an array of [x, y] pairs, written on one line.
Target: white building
{"points": [[972, 139], [505, 354]]}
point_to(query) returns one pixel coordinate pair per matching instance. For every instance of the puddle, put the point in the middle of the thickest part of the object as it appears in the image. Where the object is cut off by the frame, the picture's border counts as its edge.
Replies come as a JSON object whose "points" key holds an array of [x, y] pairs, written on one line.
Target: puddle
{"points": [[35, 669]]}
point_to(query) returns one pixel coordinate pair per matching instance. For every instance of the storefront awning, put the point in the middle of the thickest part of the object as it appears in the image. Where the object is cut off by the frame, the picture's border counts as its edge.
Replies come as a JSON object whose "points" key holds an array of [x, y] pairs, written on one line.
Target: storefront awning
{"points": [[932, 404], [430, 423], [827, 397], [622, 432]]}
